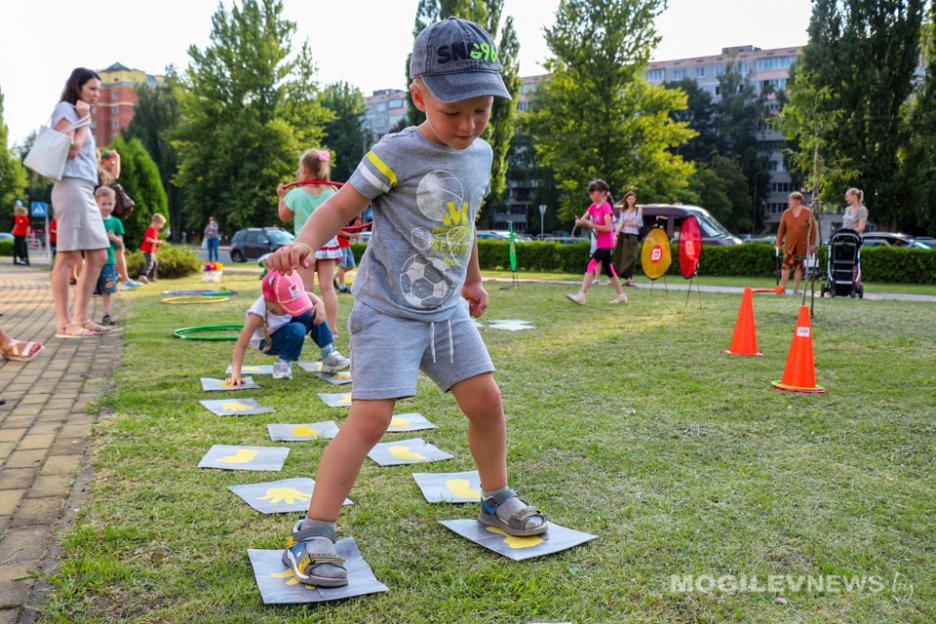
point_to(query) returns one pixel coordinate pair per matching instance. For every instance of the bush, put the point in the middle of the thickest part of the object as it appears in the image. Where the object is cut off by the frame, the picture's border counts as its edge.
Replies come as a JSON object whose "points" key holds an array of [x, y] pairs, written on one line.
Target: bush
{"points": [[879, 264], [173, 262], [6, 248]]}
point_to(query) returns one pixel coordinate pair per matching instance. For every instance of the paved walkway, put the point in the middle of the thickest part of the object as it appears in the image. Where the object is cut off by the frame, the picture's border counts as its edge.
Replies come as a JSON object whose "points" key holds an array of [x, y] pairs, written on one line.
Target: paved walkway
{"points": [[44, 433], [681, 284]]}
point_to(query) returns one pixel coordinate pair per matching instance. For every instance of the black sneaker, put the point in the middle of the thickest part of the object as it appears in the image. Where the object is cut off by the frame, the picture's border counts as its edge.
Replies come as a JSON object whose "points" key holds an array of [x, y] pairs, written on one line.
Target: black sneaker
{"points": [[107, 320]]}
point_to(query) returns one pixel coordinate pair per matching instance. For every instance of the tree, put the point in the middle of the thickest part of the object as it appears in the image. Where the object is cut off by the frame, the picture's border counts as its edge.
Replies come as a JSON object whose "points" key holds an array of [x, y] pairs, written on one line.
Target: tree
{"points": [[140, 177], [919, 154], [501, 129], [721, 187], [596, 115], [848, 89], [12, 177], [344, 135], [699, 116], [156, 117], [250, 107]]}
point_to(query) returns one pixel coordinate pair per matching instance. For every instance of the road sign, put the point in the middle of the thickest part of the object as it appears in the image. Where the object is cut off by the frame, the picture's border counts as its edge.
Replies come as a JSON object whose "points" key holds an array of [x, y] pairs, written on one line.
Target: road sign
{"points": [[40, 209]]}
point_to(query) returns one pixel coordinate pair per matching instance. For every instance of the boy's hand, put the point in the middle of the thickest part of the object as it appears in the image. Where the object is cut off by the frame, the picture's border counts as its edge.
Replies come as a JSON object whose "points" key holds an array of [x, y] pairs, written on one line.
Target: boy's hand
{"points": [[289, 257], [477, 298], [235, 380], [319, 315]]}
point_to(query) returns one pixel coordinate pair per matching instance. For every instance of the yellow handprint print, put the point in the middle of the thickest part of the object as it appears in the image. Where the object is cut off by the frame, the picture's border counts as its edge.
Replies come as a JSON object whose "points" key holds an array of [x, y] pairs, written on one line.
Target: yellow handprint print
{"points": [[404, 452], [242, 456], [305, 431], [398, 422], [288, 495], [460, 487], [515, 542]]}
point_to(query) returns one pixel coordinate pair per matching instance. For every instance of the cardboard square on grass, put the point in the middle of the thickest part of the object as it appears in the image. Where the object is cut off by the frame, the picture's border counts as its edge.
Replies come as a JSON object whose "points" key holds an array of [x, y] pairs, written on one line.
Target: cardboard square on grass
{"points": [[252, 369], [303, 432], [226, 457], [236, 407], [340, 399], [411, 421], [556, 539], [310, 367], [411, 451], [339, 378], [449, 487], [210, 384], [283, 496], [510, 324], [278, 585]]}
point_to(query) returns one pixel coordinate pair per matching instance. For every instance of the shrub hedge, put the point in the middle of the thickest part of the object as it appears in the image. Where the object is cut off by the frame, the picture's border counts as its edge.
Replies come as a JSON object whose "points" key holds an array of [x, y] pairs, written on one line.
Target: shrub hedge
{"points": [[173, 262], [6, 248], [879, 264]]}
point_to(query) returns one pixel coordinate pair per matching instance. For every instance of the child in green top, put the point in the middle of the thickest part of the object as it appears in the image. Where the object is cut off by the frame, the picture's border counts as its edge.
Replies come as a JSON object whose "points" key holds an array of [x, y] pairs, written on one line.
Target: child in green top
{"points": [[297, 205], [107, 280]]}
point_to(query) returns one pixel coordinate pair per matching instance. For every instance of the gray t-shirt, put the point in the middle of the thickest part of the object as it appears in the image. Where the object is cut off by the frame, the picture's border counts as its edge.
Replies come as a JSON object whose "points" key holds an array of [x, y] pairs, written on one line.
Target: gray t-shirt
{"points": [[84, 164], [426, 197], [852, 219]]}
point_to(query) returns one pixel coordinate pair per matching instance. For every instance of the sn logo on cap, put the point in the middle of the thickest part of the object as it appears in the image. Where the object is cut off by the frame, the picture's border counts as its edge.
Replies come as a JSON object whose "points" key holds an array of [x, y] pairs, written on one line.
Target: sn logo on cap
{"points": [[457, 51]]}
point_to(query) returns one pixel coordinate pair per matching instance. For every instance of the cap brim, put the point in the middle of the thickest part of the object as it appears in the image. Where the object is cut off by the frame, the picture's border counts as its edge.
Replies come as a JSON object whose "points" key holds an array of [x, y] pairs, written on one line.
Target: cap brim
{"points": [[298, 306], [448, 88]]}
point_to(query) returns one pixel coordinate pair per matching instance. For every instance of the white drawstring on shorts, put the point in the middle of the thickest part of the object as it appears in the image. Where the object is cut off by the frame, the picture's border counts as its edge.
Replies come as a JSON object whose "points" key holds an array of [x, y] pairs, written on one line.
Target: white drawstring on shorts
{"points": [[432, 342]]}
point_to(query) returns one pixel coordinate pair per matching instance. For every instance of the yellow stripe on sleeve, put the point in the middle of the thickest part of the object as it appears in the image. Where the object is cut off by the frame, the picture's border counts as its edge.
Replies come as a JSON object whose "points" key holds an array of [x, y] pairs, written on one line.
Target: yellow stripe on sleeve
{"points": [[382, 167]]}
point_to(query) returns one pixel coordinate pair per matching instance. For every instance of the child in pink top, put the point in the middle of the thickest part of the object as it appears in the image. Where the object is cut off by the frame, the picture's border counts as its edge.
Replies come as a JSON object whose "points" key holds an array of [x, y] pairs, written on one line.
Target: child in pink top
{"points": [[599, 217]]}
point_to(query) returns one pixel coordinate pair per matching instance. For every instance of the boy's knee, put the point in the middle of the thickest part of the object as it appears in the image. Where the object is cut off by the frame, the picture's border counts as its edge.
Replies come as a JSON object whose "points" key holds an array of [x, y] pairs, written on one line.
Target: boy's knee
{"points": [[294, 332], [372, 426]]}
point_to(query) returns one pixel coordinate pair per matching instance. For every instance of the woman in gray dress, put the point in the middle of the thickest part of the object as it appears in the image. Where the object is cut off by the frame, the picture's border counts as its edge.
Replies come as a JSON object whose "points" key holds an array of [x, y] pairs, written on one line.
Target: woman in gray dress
{"points": [[856, 215], [80, 226]]}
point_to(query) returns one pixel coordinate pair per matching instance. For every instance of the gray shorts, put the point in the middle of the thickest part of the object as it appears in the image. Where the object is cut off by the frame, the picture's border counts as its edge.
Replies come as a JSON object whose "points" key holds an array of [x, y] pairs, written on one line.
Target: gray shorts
{"points": [[387, 352]]}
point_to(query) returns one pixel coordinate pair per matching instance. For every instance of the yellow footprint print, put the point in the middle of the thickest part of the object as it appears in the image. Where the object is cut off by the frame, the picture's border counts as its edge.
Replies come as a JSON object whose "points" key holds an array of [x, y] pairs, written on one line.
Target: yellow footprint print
{"points": [[404, 452], [242, 456], [305, 431], [398, 422], [345, 400], [292, 580], [235, 406], [342, 375], [460, 487], [515, 542]]}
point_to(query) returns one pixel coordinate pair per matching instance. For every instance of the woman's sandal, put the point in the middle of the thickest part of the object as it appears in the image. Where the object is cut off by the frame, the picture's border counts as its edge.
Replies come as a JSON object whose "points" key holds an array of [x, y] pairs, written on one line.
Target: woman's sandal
{"points": [[62, 332], [21, 350], [517, 523]]}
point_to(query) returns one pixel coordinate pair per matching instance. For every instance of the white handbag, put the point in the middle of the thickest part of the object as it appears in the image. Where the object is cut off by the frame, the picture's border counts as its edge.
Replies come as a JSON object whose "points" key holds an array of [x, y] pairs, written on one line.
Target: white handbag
{"points": [[49, 152]]}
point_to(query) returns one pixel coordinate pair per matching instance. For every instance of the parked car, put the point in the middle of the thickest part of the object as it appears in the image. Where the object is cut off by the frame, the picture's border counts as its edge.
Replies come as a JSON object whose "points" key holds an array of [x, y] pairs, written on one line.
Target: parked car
{"points": [[251, 243], [671, 216], [503, 235], [929, 241], [889, 239], [565, 240], [6, 236]]}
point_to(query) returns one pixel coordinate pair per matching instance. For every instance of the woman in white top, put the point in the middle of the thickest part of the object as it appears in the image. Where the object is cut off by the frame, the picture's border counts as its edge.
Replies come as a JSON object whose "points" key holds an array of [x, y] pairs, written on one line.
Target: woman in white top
{"points": [[80, 226], [856, 215], [628, 230]]}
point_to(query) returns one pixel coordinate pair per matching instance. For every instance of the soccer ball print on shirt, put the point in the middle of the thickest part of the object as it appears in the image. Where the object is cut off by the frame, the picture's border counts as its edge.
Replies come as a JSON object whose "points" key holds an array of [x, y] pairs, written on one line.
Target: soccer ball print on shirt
{"points": [[445, 242]]}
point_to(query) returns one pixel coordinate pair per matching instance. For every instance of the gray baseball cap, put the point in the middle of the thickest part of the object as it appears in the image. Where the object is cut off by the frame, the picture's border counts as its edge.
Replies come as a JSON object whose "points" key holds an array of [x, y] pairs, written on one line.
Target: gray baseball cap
{"points": [[457, 60]]}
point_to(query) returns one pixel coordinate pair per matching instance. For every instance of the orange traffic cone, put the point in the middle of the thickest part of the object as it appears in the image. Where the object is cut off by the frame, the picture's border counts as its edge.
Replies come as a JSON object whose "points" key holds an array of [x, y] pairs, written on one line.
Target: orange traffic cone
{"points": [[744, 341], [800, 372]]}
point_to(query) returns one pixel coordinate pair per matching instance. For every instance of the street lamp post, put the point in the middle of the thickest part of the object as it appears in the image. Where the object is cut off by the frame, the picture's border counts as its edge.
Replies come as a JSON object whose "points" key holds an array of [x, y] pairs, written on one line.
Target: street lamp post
{"points": [[542, 209]]}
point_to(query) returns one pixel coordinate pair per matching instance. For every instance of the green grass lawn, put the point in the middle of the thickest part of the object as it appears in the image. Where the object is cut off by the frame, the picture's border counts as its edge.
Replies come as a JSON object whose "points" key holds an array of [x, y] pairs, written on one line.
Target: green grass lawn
{"points": [[626, 422]]}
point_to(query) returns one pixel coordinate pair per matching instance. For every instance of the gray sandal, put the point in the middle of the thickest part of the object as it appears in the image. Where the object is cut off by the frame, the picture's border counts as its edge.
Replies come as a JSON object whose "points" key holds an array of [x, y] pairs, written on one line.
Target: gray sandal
{"points": [[517, 522], [313, 560]]}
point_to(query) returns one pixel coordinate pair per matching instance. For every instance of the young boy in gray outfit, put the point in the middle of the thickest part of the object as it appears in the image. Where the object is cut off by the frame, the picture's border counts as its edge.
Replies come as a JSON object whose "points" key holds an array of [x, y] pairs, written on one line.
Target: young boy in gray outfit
{"points": [[426, 185]]}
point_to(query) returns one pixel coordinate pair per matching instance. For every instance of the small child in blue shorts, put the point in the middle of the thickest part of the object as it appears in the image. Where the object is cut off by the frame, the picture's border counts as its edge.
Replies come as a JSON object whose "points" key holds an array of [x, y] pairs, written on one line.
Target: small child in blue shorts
{"points": [[426, 185], [277, 324]]}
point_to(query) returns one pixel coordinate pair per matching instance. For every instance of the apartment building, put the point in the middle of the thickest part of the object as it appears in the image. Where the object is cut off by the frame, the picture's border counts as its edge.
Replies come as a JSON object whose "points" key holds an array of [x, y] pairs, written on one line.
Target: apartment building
{"points": [[115, 108], [383, 111]]}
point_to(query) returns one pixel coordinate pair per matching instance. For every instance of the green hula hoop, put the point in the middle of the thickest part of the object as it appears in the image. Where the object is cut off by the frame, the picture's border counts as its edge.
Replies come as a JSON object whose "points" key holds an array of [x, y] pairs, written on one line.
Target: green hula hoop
{"points": [[190, 333]]}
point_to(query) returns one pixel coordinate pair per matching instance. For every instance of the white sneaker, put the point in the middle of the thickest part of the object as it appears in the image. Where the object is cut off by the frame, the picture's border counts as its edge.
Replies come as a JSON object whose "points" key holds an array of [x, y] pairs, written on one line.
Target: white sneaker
{"points": [[620, 299], [334, 362], [282, 369], [578, 298]]}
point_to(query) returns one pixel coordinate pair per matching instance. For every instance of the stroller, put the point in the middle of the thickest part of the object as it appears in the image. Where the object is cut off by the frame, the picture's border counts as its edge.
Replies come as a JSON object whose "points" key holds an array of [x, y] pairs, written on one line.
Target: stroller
{"points": [[843, 273]]}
